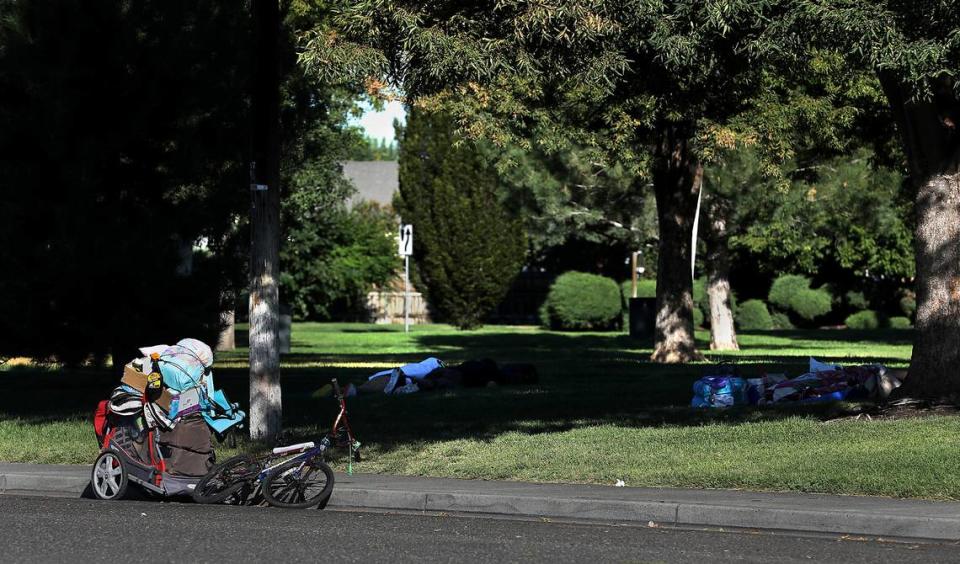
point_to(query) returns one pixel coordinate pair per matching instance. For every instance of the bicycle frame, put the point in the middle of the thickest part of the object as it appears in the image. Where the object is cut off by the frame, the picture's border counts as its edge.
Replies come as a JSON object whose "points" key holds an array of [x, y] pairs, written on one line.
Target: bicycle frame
{"points": [[342, 418], [328, 441]]}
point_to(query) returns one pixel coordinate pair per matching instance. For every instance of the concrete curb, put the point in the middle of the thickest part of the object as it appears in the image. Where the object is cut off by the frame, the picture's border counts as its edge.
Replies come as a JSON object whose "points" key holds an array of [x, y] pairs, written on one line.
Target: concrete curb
{"points": [[812, 513], [47, 483], [660, 513]]}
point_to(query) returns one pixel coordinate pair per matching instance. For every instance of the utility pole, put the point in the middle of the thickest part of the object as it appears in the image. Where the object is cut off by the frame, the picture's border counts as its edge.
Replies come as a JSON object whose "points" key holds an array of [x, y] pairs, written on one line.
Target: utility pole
{"points": [[265, 406]]}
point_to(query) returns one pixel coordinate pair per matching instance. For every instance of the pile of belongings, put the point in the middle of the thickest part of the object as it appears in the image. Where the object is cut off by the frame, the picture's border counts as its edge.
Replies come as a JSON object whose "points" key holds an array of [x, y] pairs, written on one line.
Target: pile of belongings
{"points": [[822, 383], [433, 374], [172, 388], [827, 382]]}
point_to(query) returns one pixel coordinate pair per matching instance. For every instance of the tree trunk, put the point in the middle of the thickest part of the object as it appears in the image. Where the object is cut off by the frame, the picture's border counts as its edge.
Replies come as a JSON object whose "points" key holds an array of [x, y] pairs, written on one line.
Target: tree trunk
{"points": [[932, 145], [228, 340], [677, 176], [265, 406], [723, 335]]}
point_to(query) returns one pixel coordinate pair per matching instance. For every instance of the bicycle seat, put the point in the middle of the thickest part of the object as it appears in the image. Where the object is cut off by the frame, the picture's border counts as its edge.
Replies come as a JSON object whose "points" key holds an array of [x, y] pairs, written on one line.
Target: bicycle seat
{"points": [[293, 448]]}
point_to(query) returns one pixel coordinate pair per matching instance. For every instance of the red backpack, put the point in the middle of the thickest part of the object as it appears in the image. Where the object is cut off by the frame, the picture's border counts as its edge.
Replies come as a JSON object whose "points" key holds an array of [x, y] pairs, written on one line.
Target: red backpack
{"points": [[100, 422]]}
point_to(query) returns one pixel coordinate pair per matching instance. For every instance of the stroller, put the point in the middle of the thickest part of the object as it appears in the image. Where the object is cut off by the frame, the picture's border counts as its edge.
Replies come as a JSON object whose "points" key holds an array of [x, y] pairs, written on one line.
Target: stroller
{"points": [[155, 430]]}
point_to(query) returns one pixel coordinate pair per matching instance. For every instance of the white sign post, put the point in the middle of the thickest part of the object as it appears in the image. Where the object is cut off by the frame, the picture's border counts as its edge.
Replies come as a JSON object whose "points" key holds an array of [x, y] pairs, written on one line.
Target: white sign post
{"points": [[406, 249]]}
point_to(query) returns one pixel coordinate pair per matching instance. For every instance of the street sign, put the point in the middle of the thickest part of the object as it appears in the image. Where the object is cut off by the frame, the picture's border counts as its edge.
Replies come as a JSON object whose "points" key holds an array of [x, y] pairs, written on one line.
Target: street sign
{"points": [[406, 251], [406, 240]]}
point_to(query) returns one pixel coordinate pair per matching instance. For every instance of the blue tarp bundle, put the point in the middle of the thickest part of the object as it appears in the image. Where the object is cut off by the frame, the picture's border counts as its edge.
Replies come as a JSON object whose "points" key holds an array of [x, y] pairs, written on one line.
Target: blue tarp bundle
{"points": [[187, 365]]}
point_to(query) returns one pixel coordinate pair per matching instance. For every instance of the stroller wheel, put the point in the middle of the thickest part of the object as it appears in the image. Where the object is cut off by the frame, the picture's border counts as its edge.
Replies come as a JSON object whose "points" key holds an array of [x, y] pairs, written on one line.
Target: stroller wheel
{"points": [[109, 478]]}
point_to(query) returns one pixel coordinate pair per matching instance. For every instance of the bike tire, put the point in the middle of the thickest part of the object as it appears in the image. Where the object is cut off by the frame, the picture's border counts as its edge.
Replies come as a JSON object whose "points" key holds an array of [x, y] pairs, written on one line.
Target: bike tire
{"points": [[287, 485], [226, 479]]}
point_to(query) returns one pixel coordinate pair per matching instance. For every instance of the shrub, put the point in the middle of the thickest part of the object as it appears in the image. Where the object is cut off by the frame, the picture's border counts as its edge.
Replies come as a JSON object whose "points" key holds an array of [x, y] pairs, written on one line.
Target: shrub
{"points": [[328, 271], [899, 323], [700, 295], [646, 288], [857, 300], [811, 304], [867, 319], [785, 288], [781, 320], [752, 315], [698, 317], [908, 305], [578, 300]]}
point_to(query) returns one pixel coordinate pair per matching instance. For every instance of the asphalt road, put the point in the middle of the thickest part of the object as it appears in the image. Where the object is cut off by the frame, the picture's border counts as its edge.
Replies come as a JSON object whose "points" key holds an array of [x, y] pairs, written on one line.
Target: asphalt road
{"points": [[35, 529]]}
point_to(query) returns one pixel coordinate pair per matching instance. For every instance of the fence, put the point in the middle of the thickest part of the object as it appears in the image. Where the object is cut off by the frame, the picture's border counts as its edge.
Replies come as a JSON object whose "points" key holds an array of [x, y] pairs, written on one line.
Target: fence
{"points": [[387, 307]]}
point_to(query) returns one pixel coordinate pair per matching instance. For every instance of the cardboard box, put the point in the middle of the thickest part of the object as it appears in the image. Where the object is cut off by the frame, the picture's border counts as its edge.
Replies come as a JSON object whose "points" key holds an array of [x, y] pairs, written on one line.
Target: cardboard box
{"points": [[138, 380]]}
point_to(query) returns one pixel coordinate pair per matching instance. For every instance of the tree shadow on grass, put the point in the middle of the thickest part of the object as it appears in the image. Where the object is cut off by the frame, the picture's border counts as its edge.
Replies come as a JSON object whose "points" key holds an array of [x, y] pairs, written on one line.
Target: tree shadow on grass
{"points": [[585, 380]]}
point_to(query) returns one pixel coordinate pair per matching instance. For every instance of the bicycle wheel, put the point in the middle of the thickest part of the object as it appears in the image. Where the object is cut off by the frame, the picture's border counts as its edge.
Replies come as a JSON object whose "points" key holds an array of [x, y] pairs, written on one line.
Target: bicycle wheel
{"points": [[299, 483], [226, 479]]}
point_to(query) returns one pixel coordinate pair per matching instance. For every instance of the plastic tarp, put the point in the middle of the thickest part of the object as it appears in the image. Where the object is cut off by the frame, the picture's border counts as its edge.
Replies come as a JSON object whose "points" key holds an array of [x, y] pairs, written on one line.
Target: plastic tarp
{"points": [[187, 365], [417, 370], [227, 416]]}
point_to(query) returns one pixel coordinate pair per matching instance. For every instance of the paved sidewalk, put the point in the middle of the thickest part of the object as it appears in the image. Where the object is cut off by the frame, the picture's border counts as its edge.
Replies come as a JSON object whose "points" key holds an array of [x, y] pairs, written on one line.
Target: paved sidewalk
{"points": [[864, 516]]}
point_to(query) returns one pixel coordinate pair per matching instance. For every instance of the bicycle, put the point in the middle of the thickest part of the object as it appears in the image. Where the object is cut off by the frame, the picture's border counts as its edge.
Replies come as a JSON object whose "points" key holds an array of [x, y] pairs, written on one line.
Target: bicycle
{"points": [[295, 476]]}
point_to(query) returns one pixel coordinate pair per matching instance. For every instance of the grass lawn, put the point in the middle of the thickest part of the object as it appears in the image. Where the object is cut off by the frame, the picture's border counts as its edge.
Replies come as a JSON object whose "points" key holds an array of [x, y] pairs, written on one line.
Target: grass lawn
{"points": [[601, 412]]}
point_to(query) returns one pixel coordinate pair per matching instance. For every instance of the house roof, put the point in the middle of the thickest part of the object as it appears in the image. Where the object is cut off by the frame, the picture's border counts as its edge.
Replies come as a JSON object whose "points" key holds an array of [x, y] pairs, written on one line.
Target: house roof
{"points": [[376, 181]]}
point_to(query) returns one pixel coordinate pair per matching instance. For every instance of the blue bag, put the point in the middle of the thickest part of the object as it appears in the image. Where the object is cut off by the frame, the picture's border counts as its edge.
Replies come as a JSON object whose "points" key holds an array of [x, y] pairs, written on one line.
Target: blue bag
{"points": [[719, 391]]}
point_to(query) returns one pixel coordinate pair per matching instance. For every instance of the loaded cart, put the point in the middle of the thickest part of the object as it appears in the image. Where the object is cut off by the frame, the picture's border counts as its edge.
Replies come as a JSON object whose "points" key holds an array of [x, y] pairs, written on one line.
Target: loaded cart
{"points": [[156, 428]]}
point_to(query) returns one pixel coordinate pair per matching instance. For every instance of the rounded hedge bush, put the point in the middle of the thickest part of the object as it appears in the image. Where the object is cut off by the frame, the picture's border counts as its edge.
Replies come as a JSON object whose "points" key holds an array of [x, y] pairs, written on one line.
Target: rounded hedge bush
{"points": [[899, 323], [578, 300], [646, 288], [753, 315], [867, 319], [698, 317], [857, 301], [908, 305], [811, 304], [785, 288], [781, 320], [700, 294]]}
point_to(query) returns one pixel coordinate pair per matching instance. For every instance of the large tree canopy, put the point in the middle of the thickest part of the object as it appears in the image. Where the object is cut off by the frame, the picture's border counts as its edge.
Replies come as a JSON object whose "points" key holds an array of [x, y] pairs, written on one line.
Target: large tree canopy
{"points": [[658, 86], [914, 47]]}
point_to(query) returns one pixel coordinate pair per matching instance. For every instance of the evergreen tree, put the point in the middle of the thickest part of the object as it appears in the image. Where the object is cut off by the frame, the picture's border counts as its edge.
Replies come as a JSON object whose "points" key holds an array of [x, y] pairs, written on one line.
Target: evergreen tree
{"points": [[467, 248]]}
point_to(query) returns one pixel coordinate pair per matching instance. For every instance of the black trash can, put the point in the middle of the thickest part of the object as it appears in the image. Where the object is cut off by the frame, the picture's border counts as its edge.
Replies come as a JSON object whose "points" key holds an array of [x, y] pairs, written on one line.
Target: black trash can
{"points": [[643, 318]]}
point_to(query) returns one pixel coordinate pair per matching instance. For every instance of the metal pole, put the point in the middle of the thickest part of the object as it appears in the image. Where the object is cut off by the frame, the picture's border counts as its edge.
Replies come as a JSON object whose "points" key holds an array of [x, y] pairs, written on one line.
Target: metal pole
{"points": [[406, 293], [696, 226]]}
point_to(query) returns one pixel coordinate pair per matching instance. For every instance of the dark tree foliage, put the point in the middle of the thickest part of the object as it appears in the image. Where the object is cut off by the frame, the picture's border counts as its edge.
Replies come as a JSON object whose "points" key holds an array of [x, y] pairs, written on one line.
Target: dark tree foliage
{"points": [[577, 217], [467, 248], [661, 87], [121, 145], [330, 255], [334, 256]]}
